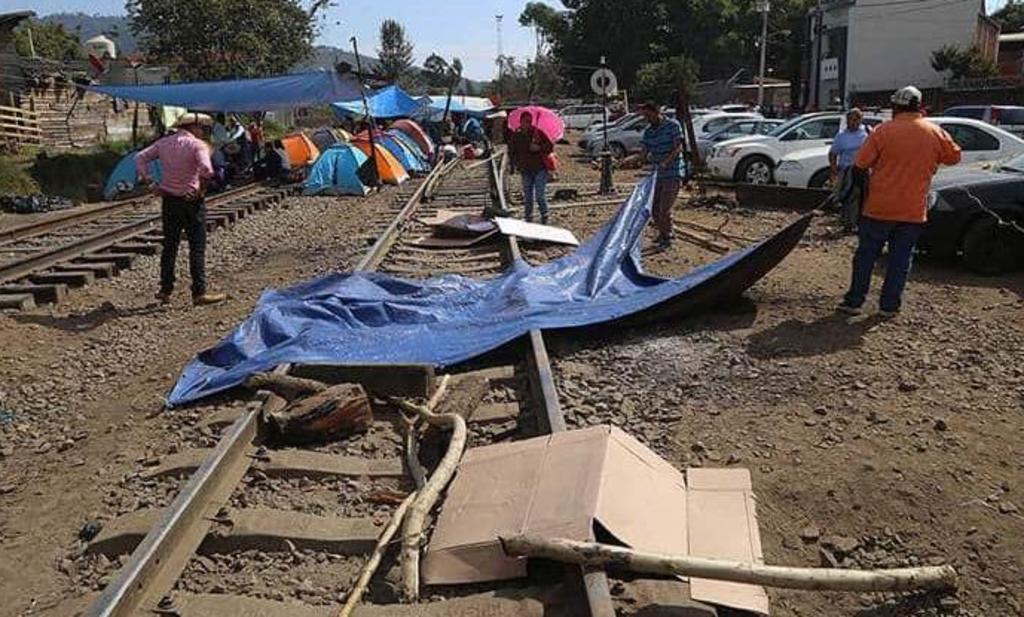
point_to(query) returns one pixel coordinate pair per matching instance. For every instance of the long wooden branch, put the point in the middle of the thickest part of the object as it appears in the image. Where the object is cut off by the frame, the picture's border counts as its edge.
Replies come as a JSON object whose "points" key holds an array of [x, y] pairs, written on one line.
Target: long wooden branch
{"points": [[356, 595], [827, 579], [412, 531]]}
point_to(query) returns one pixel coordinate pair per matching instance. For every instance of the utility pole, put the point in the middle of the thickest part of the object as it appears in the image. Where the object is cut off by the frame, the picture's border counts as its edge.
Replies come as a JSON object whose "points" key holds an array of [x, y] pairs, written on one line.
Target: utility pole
{"points": [[763, 6], [819, 27], [369, 117], [501, 53]]}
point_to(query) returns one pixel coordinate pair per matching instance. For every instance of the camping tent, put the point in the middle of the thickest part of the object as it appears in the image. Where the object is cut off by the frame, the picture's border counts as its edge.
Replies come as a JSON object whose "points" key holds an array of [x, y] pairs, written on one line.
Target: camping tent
{"points": [[336, 172], [301, 151], [389, 169], [325, 137], [123, 179], [409, 159], [416, 132], [411, 145], [476, 106], [389, 102]]}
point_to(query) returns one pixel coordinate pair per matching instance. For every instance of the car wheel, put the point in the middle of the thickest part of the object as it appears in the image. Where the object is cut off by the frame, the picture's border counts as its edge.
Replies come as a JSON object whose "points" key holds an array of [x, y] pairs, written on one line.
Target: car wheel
{"points": [[618, 150], [755, 170], [989, 248], [819, 180]]}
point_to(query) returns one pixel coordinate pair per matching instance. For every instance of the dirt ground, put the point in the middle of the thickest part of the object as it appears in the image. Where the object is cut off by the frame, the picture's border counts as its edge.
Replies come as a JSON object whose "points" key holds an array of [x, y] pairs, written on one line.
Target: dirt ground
{"points": [[870, 443]]}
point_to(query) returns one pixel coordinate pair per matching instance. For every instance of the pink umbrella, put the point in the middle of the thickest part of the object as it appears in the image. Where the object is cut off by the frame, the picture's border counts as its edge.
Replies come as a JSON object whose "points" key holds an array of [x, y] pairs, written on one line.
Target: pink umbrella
{"points": [[544, 119]]}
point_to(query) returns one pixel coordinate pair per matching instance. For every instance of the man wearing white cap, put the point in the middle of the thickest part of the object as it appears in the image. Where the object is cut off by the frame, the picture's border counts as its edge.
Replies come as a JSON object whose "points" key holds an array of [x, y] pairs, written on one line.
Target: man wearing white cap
{"points": [[902, 155], [185, 163]]}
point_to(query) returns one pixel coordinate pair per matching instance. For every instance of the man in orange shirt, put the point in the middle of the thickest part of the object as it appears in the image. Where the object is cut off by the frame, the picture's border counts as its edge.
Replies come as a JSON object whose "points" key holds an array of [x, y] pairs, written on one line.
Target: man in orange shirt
{"points": [[902, 155]]}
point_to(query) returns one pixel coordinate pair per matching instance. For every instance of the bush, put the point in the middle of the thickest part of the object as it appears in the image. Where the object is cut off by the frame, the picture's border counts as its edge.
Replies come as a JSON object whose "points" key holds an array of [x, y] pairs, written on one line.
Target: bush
{"points": [[15, 179], [77, 175]]}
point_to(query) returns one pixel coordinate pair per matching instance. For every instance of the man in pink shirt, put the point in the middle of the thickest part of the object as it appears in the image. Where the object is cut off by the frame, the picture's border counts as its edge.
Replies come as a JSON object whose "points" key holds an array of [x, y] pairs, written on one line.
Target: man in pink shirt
{"points": [[185, 160]]}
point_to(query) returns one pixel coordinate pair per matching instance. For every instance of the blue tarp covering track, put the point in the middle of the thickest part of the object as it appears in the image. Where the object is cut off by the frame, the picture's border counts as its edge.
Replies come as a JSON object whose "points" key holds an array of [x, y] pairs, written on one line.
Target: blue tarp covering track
{"points": [[263, 94], [373, 318]]}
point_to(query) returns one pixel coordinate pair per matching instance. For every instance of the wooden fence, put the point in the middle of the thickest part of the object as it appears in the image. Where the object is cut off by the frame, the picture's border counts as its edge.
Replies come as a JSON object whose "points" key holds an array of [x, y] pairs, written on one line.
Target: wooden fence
{"points": [[19, 126]]}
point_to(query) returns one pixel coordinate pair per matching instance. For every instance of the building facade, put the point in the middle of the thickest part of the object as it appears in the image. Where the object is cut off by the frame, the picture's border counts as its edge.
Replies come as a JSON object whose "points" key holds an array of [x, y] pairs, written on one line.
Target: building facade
{"points": [[866, 47]]}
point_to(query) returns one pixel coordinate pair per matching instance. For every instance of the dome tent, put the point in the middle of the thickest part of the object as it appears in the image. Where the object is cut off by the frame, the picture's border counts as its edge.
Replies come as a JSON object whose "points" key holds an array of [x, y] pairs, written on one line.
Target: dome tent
{"points": [[336, 172]]}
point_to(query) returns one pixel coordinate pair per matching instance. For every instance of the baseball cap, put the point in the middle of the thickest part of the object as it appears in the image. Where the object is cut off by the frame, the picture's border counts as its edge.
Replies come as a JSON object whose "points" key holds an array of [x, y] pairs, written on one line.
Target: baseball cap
{"points": [[907, 95]]}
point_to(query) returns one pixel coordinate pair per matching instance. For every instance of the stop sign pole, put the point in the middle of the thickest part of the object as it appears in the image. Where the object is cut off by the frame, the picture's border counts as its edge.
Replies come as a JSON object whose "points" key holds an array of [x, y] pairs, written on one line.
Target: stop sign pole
{"points": [[600, 82]]}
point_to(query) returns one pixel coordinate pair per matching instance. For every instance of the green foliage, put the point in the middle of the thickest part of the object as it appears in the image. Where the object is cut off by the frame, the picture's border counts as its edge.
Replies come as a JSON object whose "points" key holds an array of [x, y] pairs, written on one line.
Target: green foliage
{"points": [[49, 40], [217, 39], [395, 54], [441, 74], [15, 179], [539, 79], [657, 80], [721, 36], [77, 174], [963, 62], [1010, 17]]}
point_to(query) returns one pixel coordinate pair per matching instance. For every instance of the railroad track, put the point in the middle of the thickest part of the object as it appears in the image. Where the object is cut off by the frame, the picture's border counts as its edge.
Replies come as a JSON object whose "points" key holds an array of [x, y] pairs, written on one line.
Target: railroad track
{"points": [[40, 261], [242, 508]]}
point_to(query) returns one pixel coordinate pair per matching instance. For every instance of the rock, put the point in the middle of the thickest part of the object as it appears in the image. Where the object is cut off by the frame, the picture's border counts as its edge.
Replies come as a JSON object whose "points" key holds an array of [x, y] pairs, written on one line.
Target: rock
{"points": [[90, 530], [940, 425], [841, 545], [821, 410], [949, 604], [828, 560], [810, 534], [1005, 507], [906, 386], [6, 489], [733, 459]]}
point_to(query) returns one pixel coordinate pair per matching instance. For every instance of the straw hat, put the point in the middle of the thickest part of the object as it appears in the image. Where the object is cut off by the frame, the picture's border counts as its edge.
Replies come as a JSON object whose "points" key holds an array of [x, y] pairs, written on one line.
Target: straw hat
{"points": [[191, 118]]}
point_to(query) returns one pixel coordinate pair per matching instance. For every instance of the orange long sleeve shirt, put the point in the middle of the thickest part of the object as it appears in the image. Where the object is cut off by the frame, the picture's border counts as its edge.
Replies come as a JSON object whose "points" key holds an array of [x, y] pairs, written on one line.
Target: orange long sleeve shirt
{"points": [[903, 155]]}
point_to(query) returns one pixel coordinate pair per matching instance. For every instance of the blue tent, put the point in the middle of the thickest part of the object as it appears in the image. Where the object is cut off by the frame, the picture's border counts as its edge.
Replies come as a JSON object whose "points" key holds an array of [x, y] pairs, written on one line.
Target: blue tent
{"points": [[411, 144], [375, 318], [336, 172], [389, 102], [405, 156], [123, 179], [282, 92]]}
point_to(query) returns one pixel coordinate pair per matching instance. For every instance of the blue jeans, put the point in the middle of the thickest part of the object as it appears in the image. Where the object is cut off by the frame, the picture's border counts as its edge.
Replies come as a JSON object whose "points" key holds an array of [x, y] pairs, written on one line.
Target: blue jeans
{"points": [[535, 184], [874, 234]]}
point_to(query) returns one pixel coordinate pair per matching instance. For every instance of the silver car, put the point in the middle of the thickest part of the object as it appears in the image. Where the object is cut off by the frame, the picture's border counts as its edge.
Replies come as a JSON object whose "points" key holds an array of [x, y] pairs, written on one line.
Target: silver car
{"points": [[738, 128]]}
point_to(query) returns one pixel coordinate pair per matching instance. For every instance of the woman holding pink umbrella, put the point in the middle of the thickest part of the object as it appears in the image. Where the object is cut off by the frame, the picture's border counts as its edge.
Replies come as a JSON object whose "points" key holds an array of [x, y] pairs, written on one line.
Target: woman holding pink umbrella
{"points": [[529, 147]]}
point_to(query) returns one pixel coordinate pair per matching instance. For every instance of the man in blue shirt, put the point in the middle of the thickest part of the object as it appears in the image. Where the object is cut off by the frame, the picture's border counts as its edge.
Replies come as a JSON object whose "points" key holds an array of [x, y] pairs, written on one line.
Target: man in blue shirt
{"points": [[662, 146], [840, 158]]}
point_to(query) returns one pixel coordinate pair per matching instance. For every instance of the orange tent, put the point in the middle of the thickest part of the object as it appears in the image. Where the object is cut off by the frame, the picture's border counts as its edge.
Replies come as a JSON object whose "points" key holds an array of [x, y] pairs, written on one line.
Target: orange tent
{"points": [[301, 151], [388, 167]]}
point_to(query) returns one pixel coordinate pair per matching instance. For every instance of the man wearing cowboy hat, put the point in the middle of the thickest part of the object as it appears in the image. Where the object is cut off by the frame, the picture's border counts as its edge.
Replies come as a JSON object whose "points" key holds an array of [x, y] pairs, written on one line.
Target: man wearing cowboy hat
{"points": [[185, 160]]}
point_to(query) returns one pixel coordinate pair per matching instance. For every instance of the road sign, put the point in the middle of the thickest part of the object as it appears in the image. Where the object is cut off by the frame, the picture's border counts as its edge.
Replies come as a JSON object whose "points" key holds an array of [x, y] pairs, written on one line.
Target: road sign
{"points": [[602, 81]]}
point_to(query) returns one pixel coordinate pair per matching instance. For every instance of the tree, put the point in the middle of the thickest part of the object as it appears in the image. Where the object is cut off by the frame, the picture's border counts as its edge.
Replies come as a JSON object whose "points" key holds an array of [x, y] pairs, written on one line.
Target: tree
{"points": [[395, 54], [963, 62], [440, 74], [49, 40], [548, 24], [657, 80], [1010, 17], [218, 39]]}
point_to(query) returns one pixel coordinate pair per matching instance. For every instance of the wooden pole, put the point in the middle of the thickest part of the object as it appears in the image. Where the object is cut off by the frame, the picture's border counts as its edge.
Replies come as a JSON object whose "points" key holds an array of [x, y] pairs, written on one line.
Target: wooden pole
{"points": [[412, 531], [823, 579]]}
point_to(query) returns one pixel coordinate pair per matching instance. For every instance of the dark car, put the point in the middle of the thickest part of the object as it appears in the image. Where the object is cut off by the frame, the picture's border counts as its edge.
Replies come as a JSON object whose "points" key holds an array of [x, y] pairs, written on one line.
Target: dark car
{"points": [[978, 214]]}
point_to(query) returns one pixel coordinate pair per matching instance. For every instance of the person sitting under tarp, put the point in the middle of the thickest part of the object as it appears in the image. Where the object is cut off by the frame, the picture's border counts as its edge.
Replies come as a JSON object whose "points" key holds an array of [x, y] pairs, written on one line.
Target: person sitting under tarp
{"points": [[274, 164], [473, 132]]}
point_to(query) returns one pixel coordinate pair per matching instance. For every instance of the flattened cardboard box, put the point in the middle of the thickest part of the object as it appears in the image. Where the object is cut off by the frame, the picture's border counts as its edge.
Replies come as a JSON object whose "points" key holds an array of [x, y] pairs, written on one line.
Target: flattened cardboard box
{"points": [[566, 484]]}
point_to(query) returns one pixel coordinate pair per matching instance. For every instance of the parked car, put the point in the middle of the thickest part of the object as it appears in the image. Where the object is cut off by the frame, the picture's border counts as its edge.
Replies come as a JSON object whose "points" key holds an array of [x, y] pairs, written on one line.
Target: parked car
{"points": [[734, 108], [977, 215], [596, 130], [1007, 117], [623, 138], [581, 116], [737, 128], [978, 140], [753, 158], [716, 121]]}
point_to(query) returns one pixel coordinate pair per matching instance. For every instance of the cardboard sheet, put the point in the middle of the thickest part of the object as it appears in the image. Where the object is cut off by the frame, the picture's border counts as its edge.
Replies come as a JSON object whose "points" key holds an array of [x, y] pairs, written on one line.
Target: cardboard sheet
{"points": [[533, 231], [570, 483]]}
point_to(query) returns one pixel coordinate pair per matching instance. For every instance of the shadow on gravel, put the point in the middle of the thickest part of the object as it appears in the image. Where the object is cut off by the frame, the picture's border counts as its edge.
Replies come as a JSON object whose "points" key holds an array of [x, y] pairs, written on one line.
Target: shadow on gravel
{"points": [[924, 603], [940, 273], [82, 322], [794, 338]]}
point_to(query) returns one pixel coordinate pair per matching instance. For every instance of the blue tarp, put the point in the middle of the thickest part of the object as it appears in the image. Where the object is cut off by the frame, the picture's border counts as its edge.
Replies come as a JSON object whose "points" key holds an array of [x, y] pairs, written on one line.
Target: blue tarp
{"points": [[475, 106], [282, 92], [124, 179], [336, 172], [374, 318], [389, 102]]}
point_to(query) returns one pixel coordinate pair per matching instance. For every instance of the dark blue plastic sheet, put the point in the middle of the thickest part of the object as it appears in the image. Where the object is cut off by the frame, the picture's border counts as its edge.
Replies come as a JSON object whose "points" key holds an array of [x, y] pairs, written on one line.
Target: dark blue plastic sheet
{"points": [[282, 92], [373, 318]]}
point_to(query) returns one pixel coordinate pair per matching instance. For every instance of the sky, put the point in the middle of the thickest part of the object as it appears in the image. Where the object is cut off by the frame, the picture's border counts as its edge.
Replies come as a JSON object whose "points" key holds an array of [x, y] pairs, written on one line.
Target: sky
{"points": [[452, 28], [462, 28]]}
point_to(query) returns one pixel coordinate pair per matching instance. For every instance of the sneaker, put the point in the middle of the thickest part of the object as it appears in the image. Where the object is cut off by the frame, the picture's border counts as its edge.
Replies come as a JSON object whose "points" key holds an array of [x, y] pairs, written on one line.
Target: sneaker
{"points": [[663, 242], [848, 309], [164, 297], [884, 314], [208, 298]]}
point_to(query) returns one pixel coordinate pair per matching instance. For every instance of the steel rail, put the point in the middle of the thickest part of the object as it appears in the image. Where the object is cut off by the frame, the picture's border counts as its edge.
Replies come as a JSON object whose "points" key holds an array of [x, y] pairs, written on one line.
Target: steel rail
{"points": [[40, 227], [90, 244], [153, 567]]}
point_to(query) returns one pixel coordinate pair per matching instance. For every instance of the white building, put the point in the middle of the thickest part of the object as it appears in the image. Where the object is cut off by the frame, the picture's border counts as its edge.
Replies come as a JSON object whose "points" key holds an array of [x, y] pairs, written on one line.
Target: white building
{"points": [[871, 46]]}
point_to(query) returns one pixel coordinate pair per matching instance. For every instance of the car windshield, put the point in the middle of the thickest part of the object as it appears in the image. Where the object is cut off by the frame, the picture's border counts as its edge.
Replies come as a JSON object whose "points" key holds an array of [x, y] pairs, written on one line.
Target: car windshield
{"points": [[1016, 164], [785, 126]]}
